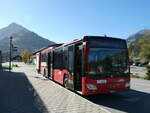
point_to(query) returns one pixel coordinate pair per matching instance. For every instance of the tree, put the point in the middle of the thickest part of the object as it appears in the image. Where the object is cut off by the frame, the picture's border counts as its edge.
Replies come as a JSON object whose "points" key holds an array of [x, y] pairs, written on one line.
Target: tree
{"points": [[145, 53], [25, 56], [140, 49], [148, 73], [145, 48]]}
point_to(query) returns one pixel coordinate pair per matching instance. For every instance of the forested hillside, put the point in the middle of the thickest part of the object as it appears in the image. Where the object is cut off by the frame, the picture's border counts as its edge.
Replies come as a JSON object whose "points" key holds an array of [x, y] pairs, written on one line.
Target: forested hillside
{"points": [[140, 49]]}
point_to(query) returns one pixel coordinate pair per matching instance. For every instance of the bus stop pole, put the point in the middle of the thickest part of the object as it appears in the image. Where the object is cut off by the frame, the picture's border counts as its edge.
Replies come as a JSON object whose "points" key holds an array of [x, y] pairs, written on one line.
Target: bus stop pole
{"points": [[10, 53]]}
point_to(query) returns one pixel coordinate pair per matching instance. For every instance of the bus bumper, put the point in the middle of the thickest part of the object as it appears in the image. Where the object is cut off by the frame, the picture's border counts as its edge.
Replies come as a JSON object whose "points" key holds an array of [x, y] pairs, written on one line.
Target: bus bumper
{"points": [[104, 86]]}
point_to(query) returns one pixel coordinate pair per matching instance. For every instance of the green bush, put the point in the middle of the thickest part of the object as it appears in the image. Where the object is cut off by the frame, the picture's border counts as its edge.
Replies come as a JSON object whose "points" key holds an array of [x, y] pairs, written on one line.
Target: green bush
{"points": [[135, 76], [148, 73], [15, 65]]}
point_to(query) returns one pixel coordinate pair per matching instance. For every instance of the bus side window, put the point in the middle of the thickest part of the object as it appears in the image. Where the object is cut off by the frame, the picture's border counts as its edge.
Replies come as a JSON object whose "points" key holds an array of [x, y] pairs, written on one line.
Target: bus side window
{"points": [[70, 58]]}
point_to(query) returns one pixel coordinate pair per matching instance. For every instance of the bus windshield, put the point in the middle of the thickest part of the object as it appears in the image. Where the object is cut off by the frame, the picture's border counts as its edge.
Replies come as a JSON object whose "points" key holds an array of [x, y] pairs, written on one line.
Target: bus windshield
{"points": [[107, 61]]}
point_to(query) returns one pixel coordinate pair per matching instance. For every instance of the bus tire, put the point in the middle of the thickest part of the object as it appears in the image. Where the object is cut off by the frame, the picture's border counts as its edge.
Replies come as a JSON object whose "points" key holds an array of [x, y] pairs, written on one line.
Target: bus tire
{"points": [[65, 81]]}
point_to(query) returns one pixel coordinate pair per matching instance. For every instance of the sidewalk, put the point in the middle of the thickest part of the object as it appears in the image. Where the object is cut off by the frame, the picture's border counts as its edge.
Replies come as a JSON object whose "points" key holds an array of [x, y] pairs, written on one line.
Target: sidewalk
{"points": [[25, 91], [15, 94]]}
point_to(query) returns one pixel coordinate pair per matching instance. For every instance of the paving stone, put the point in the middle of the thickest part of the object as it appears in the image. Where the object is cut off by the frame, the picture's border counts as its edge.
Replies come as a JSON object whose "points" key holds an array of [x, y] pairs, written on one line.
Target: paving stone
{"points": [[46, 96]]}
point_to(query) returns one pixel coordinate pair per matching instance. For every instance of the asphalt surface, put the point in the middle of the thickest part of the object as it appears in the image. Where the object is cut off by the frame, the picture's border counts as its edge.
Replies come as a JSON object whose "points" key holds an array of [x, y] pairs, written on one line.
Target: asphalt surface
{"points": [[137, 100]]}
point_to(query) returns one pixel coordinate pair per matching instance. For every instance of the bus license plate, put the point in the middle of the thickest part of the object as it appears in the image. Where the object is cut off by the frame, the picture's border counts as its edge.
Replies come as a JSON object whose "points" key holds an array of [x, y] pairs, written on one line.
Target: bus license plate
{"points": [[101, 81]]}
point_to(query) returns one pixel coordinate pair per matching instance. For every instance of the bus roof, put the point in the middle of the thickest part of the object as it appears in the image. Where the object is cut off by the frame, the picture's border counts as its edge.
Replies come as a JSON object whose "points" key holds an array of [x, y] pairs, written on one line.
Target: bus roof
{"points": [[84, 38], [44, 48]]}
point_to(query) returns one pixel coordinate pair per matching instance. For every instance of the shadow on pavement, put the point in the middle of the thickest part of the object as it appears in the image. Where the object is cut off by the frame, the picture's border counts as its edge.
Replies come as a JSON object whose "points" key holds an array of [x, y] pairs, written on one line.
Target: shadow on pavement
{"points": [[131, 102], [5, 69], [17, 95]]}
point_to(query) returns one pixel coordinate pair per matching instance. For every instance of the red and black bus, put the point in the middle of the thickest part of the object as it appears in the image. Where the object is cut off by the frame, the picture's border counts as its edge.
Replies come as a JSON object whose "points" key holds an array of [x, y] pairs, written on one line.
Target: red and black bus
{"points": [[91, 65], [41, 60]]}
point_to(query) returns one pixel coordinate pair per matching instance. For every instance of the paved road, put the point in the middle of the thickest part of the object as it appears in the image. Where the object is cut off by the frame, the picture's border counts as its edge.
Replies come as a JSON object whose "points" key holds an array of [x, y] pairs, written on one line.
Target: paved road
{"points": [[53, 97], [137, 100], [25, 91]]}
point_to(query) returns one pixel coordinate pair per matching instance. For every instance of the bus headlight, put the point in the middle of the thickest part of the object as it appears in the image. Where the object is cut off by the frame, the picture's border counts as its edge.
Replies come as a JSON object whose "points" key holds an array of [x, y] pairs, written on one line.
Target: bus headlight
{"points": [[127, 85], [91, 87]]}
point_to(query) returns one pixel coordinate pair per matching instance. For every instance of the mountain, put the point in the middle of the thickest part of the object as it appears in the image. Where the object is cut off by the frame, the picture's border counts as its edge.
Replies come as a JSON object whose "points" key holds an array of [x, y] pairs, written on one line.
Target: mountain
{"points": [[23, 38], [139, 45], [138, 35], [9, 30]]}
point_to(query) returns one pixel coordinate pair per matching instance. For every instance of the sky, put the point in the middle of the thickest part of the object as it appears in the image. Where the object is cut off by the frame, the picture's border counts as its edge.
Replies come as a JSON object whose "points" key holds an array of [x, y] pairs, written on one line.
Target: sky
{"points": [[65, 20]]}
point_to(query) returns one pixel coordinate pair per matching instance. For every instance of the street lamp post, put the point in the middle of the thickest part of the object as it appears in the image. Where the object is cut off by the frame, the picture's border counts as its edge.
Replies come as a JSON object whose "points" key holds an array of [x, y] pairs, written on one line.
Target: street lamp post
{"points": [[10, 53]]}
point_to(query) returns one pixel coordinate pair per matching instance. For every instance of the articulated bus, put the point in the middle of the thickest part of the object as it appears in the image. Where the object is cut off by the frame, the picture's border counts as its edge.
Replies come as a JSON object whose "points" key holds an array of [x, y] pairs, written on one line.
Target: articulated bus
{"points": [[91, 65], [41, 60]]}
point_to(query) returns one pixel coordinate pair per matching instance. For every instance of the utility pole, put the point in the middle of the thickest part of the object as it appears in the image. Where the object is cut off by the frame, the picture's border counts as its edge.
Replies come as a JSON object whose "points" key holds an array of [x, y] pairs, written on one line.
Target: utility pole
{"points": [[10, 53]]}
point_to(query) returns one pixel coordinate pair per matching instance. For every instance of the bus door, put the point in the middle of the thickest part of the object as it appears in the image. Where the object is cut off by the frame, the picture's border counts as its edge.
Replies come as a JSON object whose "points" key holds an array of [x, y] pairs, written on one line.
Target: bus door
{"points": [[78, 67], [71, 54], [49, 63]]}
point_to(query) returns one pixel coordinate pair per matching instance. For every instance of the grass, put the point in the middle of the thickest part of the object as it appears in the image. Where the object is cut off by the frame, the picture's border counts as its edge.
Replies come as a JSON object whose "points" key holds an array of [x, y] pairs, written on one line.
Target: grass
{"points": [[146, 77], [148, 73], [5, 66], [29, 63], [137, 76], [13, 65]]}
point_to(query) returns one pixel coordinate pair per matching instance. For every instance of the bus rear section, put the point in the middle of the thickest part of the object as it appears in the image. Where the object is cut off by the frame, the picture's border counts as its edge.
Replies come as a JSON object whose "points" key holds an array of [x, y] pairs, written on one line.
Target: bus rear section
{"points": [[92, 65], [42, 60]]}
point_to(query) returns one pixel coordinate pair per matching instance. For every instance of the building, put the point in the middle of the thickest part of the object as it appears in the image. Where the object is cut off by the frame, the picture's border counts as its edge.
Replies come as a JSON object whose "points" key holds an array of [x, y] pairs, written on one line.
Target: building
{"points": [[17, 58]]}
